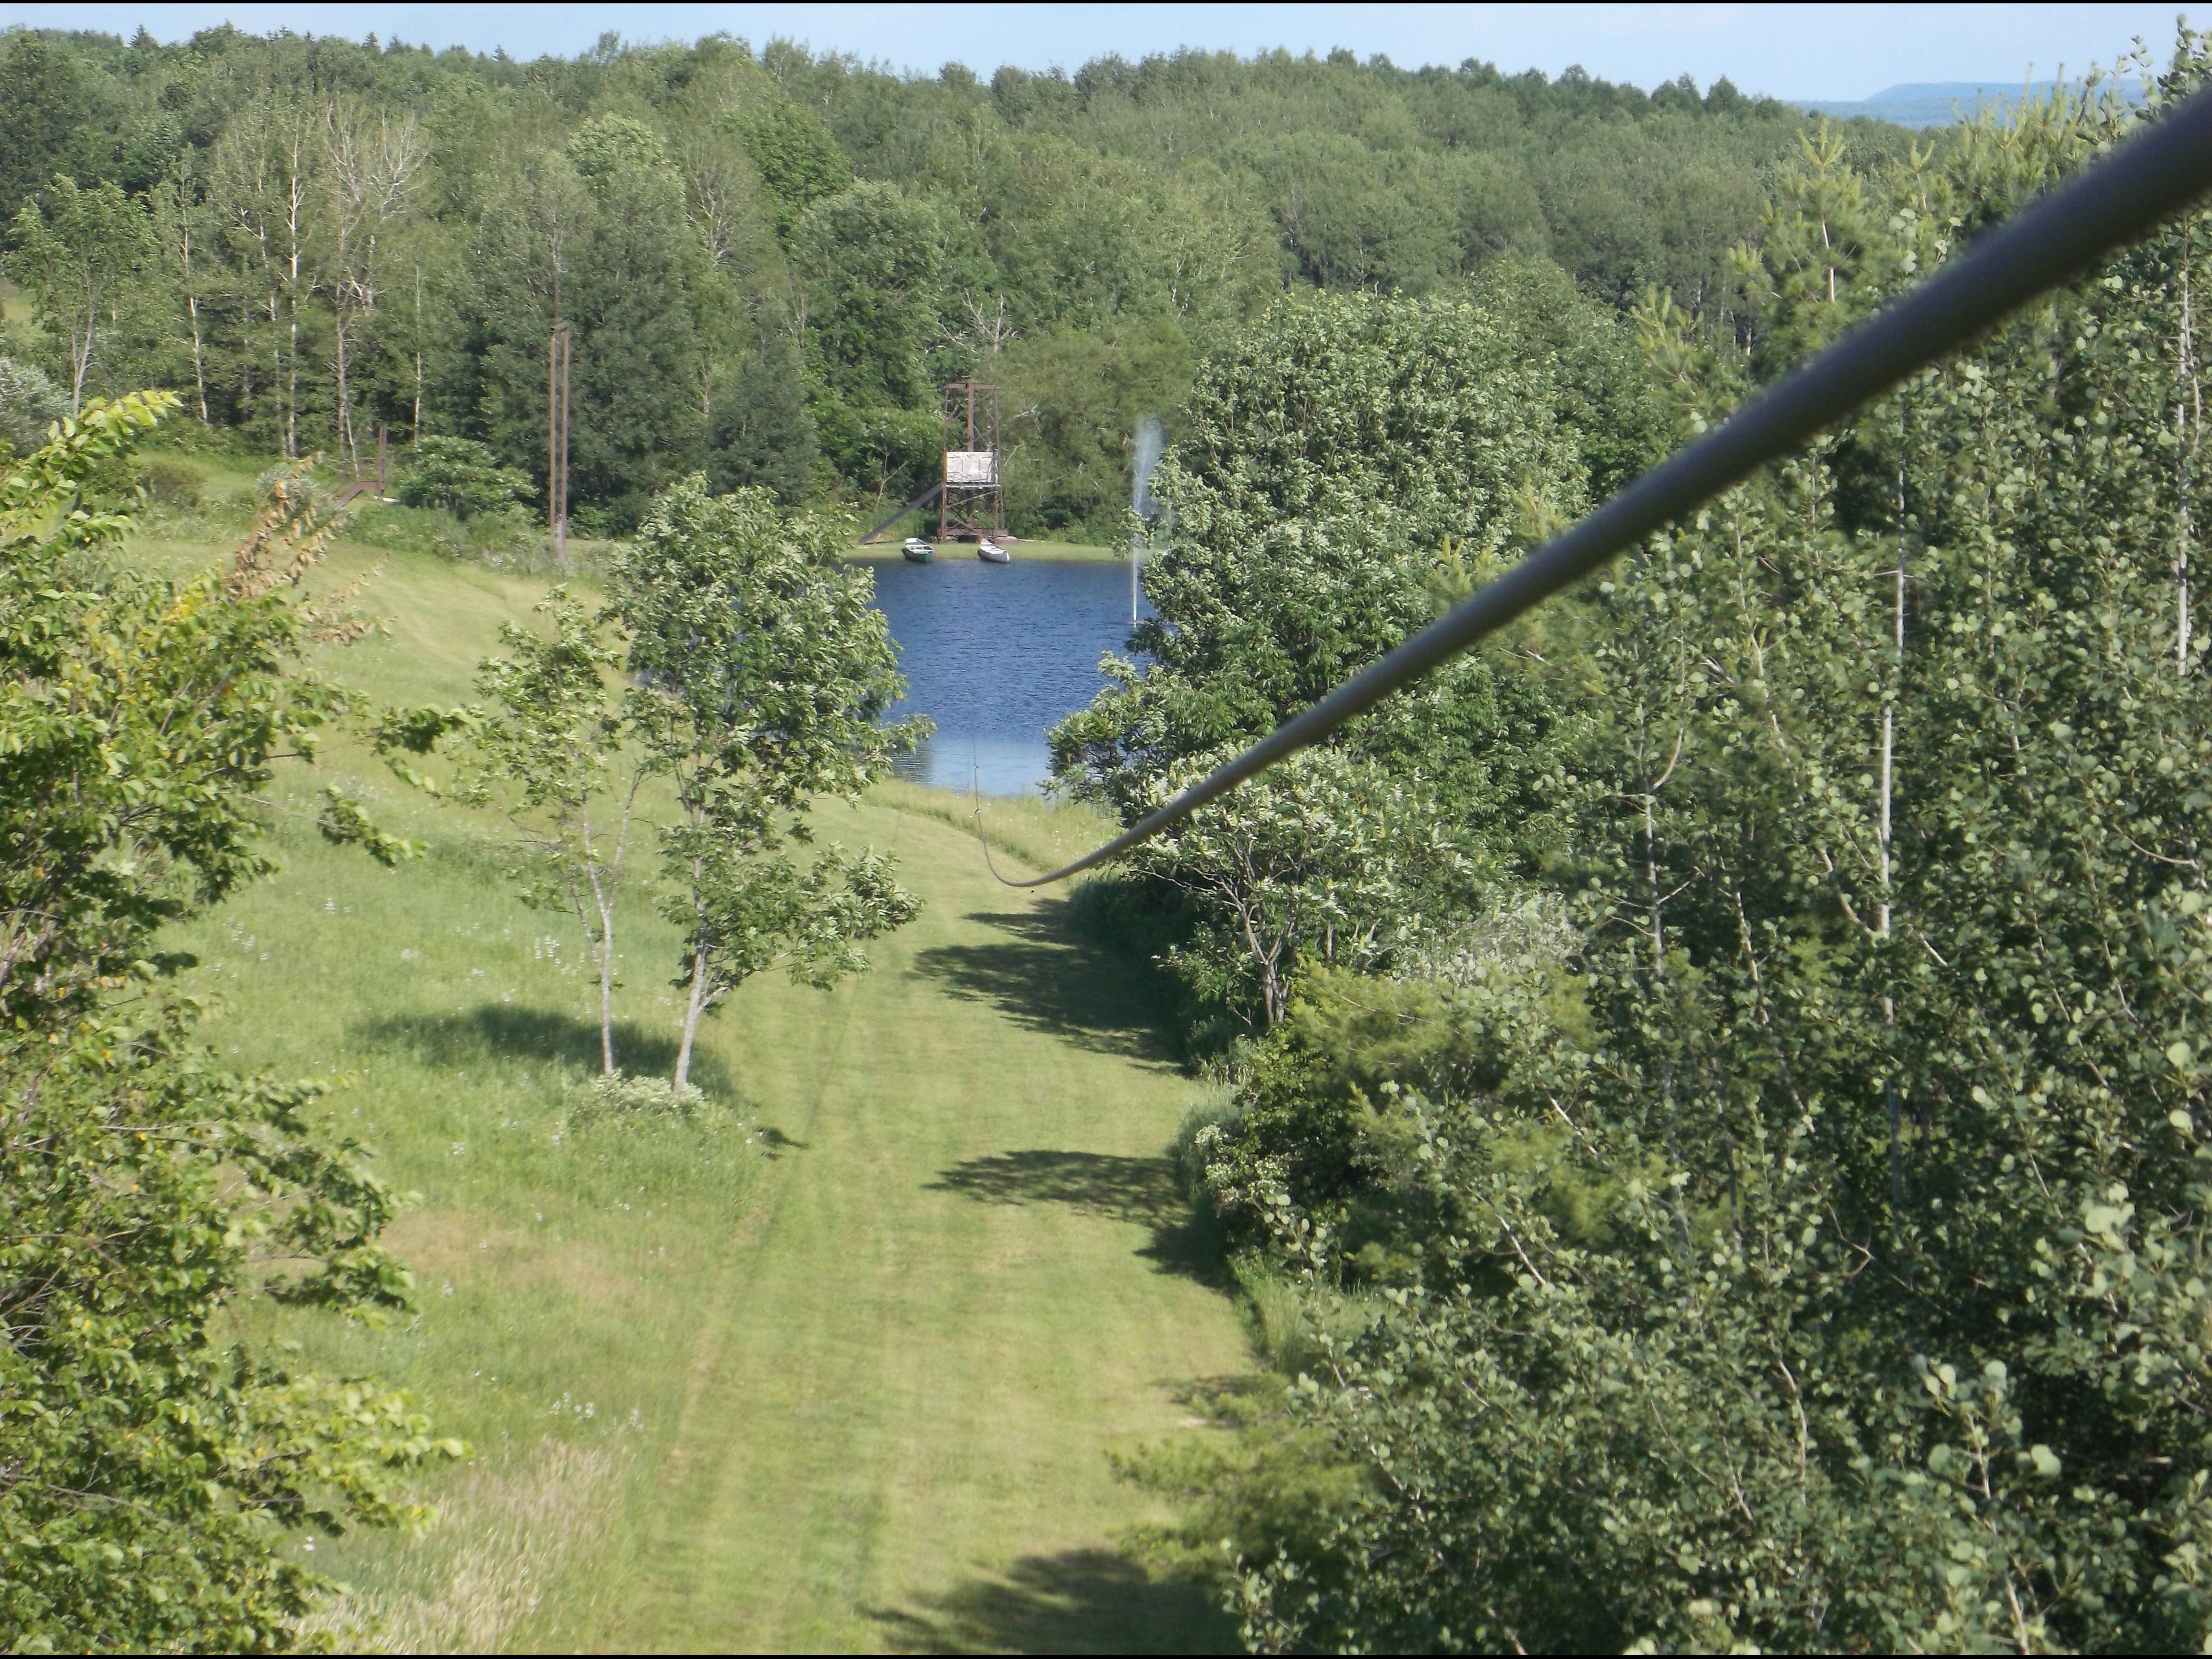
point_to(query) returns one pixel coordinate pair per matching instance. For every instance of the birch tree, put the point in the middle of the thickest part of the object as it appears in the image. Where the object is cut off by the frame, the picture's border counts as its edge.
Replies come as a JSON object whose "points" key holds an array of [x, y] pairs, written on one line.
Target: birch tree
{"points": [[265, 190], [81, 253], [1325, 856], [371, 160], [179, 223], [554, 762]]}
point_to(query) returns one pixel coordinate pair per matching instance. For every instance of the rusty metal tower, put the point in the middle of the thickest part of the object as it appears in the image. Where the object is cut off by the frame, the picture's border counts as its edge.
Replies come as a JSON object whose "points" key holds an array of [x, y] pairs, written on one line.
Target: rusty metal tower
{"points": [[974, 504]]}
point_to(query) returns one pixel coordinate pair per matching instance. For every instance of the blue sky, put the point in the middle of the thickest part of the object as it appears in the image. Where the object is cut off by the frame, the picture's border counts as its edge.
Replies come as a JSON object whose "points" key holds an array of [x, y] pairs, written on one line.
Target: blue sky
{"points": [[1791, 51]]}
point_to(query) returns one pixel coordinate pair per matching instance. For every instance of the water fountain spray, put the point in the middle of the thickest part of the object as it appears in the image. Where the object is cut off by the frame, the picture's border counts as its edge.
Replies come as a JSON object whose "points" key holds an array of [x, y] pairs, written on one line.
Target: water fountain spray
{"points": [[1151, 440]]}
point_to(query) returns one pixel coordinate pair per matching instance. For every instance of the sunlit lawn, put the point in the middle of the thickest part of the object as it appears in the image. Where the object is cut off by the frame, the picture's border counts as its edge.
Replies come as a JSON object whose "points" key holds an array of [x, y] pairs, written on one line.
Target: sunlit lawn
{"points": [[840, 1369]]}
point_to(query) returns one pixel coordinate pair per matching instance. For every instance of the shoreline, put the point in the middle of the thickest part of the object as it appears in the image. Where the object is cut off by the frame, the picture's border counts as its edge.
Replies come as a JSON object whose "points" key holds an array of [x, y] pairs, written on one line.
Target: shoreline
{"points": [[1041, 552]]}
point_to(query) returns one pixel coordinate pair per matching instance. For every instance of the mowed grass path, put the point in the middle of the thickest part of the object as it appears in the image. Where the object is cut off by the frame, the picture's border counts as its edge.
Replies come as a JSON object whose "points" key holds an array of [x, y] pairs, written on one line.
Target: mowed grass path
{"points": [[842, 1375], [966, 1281]]}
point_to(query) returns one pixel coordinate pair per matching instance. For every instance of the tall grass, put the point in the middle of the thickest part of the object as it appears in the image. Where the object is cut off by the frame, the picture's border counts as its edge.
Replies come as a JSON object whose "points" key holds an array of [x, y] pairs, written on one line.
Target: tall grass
{"points": [[1043, 834], [513, 1560]]}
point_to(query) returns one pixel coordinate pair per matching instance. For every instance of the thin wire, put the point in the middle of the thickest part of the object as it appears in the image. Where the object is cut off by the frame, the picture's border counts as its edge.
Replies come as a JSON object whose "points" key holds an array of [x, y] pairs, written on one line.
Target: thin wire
{"points": [[975, 796], [2110, 203]]}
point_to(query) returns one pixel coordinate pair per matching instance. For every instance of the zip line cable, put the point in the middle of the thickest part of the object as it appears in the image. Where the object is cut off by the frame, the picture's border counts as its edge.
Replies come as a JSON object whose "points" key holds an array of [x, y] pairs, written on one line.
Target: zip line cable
{"points": [[2110, 203]]}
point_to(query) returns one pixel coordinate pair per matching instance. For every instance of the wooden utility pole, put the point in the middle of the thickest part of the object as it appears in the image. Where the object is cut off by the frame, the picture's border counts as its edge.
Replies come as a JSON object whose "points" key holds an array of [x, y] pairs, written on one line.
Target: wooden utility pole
{"points": [[556, 439]]}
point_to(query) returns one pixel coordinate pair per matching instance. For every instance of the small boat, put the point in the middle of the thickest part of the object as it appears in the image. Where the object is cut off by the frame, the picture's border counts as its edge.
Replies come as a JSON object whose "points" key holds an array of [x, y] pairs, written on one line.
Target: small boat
{"points": [[917, 550], [991, 554]]}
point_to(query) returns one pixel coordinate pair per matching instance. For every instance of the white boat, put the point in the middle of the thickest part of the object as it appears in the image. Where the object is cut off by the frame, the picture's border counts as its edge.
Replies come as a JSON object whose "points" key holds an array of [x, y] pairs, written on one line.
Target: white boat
{"points": [[991, 554], [917, 550]]}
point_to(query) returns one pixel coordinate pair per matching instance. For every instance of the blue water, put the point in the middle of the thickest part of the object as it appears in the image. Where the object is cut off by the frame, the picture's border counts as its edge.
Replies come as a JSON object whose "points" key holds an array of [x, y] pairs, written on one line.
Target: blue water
{"points": [[996, 655]]}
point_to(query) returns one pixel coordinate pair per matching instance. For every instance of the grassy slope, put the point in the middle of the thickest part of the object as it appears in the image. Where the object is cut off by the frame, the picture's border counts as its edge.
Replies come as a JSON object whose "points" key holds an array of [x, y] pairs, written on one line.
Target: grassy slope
{"points": [[841, 1373], [968, 1284]]}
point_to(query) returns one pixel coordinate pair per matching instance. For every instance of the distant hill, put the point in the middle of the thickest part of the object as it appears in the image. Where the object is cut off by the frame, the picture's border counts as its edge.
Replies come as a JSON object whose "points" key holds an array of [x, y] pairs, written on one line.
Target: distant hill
{"points": [[1938, 103]]}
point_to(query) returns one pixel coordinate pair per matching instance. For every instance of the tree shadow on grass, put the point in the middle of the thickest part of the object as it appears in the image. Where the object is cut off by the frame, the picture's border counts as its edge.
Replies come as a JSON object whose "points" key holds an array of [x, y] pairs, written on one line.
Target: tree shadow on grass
{"points": [[492, 1033], [1078, 1601], [1047, 977], [1142, 1191]]}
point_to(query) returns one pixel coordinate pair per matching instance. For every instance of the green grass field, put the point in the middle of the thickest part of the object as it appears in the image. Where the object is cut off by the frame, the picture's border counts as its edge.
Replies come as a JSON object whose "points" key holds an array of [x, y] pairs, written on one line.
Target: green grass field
{"points": [[839, 1369]]}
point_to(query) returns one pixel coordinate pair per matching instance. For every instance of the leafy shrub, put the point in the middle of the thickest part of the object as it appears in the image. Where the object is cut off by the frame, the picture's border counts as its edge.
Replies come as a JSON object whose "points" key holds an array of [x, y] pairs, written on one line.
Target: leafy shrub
{"points": [[609, 520], [1188, 1152], [463, 477], [503, 541], [173, 483], [619, 1097], [155, 1463], [29, 402], [1324, 858]]}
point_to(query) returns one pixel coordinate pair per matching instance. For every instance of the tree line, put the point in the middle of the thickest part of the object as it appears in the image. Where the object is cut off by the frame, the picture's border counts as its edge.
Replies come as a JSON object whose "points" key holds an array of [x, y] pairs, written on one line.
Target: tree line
{"points": [[769, 261]]}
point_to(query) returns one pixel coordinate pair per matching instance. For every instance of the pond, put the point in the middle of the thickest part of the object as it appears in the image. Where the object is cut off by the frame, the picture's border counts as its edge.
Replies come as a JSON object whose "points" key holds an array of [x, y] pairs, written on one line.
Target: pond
{"points": [[996, 655]]}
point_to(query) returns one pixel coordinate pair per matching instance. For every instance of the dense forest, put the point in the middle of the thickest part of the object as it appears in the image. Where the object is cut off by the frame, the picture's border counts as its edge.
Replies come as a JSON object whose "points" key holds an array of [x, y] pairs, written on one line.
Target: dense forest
{"points": [[771, 261], [1718, 1141]]}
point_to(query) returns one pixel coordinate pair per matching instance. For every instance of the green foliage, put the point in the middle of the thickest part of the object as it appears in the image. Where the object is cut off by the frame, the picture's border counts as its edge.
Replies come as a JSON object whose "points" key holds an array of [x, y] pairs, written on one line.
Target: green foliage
{"points": [[552, 757], [465, 478], [155, 1465], [612, 1097], [868, 258], [1079, 397], [173, 484], [800, 162], [1304, 1125], [756, 913], [608, 144], [142, 720], [343, 822], [1336, 461], [1324, 856], [631, 301], [1804, 1263], [49, 499], [80, 253], [153, 1470], [1423, 416], [611, 254], [343, 236], [761, 432], [29, 404], [46, 111], [761, 673]]}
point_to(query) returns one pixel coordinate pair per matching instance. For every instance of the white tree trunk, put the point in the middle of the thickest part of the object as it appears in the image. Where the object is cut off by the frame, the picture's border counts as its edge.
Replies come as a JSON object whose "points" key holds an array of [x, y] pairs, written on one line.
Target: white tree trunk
{"points": [[696, 1002]]}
